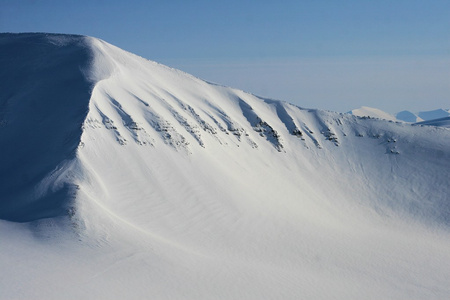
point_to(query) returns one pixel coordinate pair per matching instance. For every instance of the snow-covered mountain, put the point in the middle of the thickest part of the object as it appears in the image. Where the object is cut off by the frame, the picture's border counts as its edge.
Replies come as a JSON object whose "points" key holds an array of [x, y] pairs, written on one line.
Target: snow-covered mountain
{"points": [[408, 116], [437, 117], [123, 178], [430, 115], [434, 114], [441, 122], [371, 112]]}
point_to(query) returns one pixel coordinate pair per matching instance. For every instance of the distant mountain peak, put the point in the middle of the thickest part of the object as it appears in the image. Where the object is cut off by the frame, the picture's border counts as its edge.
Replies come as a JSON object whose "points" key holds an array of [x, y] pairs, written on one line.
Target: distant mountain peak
{"points": [[408, 116], [434, 114], [365, 111], [422, 116]]}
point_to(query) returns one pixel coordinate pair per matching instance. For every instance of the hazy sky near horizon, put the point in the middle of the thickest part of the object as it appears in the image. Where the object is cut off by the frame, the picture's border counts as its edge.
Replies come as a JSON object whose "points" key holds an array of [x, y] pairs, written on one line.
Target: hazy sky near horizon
{"points": [[335, 55]]}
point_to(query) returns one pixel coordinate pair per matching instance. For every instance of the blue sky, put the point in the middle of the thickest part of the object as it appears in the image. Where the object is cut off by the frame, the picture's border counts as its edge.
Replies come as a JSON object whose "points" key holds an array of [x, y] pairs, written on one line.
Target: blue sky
{"points": [[334, 55]]}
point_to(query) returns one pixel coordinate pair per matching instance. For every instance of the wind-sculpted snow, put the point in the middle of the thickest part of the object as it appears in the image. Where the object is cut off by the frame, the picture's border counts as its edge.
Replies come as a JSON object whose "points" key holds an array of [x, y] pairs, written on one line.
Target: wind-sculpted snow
{"points": [[160, 185]]}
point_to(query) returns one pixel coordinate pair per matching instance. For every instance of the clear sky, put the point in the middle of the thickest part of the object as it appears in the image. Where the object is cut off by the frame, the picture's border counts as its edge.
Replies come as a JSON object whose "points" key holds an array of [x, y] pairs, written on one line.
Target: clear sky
{"points": [[335, 55]]}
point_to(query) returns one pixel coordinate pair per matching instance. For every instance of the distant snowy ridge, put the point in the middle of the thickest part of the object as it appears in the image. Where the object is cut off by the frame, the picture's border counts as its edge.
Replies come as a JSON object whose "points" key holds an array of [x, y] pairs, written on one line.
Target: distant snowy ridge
{"points": [[408, 116], [365, 111], [442, 122], [405, 116], [146, 182], [434, 114]]}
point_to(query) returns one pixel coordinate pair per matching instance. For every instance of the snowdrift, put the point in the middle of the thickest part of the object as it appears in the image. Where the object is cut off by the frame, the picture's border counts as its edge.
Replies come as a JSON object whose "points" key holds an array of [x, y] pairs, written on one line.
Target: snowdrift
{"points": [[146, 182]]}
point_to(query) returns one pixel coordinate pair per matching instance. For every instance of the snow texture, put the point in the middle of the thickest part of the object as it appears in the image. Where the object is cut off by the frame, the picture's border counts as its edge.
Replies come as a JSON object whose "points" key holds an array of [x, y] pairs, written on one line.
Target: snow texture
{"points": [[123, 178]]}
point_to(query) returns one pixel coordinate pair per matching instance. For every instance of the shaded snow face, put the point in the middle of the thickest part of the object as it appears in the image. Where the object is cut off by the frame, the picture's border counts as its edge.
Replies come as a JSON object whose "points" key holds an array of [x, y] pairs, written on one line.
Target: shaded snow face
{"points": [[43, 101]]}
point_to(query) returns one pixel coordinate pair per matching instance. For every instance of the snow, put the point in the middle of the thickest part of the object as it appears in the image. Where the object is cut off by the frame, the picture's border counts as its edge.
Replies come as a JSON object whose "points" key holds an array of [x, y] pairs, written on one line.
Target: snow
{"points": [[365, 111], [37, 70], [150, 183], [441, 122], [408, 116], [434, 114]]}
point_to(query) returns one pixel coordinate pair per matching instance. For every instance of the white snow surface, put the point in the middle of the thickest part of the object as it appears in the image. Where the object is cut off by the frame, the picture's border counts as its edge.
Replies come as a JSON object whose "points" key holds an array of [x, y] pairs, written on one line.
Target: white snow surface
{"points": [[365, 111], [165, 186]]}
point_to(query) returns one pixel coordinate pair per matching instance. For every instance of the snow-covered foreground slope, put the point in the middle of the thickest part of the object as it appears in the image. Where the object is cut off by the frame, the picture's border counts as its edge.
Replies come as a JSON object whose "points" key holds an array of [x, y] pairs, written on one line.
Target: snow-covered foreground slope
{"points": [[168, 187]]}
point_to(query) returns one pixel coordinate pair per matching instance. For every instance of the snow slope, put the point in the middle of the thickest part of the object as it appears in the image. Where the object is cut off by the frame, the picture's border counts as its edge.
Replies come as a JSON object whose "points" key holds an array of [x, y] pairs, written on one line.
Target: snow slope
{"points": [[128, 179], [365, 111]]}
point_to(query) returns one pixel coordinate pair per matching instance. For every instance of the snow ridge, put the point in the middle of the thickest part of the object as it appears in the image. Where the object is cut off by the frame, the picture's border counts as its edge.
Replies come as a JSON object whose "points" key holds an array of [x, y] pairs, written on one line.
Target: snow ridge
{"points": [[197, 191]]}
